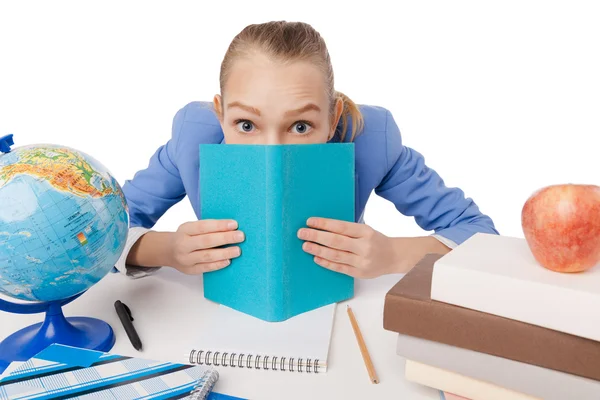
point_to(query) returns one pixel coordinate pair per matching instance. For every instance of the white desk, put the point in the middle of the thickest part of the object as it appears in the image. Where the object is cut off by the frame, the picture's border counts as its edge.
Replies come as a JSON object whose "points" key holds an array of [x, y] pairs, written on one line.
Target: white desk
{"points": [[168, 309]]}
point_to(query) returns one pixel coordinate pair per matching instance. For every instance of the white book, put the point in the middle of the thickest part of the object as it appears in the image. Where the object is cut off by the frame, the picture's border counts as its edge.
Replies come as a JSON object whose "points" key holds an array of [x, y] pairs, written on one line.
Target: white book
{"points": [[520, 377], [499, 275], [451, 382]]}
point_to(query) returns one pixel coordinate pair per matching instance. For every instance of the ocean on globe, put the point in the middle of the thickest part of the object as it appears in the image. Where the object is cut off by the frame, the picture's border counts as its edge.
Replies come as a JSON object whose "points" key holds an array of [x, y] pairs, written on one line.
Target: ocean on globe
{"points": [[63, 222]]}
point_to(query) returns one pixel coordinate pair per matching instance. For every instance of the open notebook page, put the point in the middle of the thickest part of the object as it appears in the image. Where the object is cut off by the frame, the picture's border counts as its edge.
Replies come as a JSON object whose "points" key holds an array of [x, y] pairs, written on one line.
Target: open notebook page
{"points": [[306, 335]]}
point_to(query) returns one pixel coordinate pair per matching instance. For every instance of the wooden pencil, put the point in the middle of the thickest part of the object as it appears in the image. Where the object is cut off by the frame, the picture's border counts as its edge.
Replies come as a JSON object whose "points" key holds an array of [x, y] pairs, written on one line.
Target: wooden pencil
{"points": [[363, 347]]}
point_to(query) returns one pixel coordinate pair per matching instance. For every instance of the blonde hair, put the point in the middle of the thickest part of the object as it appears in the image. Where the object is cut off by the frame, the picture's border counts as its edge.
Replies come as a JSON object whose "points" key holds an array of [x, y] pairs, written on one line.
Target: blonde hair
{"points": [[293, 41]]}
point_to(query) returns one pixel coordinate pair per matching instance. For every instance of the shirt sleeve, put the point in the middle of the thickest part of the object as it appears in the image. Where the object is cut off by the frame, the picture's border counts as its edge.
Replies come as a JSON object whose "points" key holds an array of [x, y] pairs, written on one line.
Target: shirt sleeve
{"points": [[150, 193], [133, 271], [418, 191]]}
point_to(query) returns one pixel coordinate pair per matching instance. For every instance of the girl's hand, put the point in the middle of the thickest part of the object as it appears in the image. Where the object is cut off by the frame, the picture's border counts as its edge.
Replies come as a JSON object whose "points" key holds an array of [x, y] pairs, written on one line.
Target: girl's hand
{"points": [[360, 251], [194, 246], [348, 247]]}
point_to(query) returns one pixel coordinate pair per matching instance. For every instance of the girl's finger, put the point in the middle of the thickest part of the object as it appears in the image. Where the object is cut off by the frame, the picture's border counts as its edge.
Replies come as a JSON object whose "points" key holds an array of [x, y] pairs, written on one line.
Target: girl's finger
{"points": [[332, 240], [333, 255], [204, 226], [350, 229], [212, 240], [198, 269], [337, 267], [214, 255]]}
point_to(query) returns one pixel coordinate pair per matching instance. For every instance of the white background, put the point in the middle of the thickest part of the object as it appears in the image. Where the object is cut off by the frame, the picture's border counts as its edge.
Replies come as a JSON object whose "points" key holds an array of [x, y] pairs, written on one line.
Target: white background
{"points": [[502, 98]]}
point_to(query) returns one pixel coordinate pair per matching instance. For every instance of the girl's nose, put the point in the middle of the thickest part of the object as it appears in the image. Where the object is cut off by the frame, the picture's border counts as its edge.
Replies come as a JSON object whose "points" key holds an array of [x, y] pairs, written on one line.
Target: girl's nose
{"points": [[273, 138]]}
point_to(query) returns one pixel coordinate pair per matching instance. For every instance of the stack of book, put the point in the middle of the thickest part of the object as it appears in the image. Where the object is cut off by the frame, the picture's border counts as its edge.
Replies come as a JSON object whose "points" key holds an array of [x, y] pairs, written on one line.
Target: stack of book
{"points": [[486, 321]]}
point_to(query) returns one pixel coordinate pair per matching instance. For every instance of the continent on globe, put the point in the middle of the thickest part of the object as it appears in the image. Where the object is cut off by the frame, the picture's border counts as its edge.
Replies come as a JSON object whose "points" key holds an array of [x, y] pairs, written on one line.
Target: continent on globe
{"points": [[62, 168], [63, 222]]}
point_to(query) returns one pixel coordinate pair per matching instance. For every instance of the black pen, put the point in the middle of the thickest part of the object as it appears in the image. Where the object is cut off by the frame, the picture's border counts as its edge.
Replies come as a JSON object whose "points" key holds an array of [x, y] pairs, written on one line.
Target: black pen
{"points": [[125, 316]]}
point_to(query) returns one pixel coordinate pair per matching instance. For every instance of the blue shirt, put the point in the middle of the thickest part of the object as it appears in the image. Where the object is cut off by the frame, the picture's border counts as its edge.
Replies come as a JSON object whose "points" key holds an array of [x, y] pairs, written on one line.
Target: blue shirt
{"points": [[384, 165]]}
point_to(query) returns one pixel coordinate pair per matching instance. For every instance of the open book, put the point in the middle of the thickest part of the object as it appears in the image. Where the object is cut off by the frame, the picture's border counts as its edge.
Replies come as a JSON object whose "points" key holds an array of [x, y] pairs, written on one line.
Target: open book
{"points": [[271, 191]]}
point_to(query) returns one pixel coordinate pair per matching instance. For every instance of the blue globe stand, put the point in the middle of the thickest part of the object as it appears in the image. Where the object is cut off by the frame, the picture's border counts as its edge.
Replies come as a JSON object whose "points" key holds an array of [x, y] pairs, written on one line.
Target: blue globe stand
{"points": [[83, 332]]}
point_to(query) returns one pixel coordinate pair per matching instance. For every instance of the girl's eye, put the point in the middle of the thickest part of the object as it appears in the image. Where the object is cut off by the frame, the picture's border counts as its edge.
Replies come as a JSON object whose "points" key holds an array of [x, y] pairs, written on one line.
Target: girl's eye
{"points": [[301, 128], [245, 126]]}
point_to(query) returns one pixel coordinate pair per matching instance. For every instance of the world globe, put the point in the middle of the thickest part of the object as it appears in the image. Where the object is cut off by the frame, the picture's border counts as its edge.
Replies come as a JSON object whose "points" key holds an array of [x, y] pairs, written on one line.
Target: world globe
{"points": [[63, 222], [63, 226]]}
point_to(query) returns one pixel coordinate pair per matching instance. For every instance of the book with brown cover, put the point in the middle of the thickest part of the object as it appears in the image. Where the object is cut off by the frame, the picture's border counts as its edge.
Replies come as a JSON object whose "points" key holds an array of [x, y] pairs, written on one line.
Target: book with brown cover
{"points": [[408, 309]]}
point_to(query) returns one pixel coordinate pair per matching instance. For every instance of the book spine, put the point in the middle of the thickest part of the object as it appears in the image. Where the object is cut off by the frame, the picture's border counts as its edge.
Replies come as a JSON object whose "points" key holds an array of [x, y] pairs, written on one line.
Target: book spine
{"points": [[542, 383], [274, 236], [536, 303], [490, 334], [452, 382]]}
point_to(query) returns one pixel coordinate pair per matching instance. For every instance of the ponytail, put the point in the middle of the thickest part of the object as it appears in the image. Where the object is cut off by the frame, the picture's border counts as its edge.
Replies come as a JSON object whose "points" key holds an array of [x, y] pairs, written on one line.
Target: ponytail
{"points": [[352, 113]]}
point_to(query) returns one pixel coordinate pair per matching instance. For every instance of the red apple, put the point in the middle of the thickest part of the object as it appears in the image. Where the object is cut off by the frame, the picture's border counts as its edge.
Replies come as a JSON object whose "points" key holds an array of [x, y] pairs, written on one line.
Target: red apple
{"points": [[561, 224]]}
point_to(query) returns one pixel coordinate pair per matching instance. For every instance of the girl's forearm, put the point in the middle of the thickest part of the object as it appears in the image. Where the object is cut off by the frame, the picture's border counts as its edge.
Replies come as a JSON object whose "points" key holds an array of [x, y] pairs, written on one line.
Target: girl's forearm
{"points": [[410, 250], [151, 250]]}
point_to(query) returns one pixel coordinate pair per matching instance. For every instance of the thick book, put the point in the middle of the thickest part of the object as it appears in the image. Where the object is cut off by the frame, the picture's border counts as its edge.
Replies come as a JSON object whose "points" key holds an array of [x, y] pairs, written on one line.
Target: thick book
{"points": [[499, 275], [271, 191], [408, 309], [528, 379]]}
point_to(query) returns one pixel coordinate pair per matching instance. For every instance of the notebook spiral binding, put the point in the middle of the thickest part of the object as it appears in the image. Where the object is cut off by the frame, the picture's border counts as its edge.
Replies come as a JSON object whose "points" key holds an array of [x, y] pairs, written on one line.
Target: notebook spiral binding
{"points": [[204, 386], [251, 361]]}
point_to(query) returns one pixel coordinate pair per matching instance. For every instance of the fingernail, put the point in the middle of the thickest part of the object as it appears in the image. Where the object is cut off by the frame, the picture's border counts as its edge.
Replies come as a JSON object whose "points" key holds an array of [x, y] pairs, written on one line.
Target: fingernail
{"points": [[302, 233], [232, 225], [310, 221], [239, 235], [237, 251], [226, 262]]}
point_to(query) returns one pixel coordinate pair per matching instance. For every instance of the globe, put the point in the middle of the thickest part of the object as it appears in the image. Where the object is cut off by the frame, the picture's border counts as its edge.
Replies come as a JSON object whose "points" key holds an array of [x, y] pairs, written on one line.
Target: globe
{"points": [[63, 226], [63, 222]]}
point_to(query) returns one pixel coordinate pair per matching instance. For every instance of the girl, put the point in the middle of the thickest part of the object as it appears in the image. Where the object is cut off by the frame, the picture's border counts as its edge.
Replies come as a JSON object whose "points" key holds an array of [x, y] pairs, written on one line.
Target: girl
{"points": [[277, 87]]}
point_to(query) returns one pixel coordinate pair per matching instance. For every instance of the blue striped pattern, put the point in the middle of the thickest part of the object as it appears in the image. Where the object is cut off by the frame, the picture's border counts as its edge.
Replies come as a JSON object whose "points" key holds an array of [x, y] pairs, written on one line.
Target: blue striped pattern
{"points": [[165, 394], [121, 392], [99, 382], [86, 375], [28, 368], [120, 380], [154, 385], [135, 364], [55, 382]]}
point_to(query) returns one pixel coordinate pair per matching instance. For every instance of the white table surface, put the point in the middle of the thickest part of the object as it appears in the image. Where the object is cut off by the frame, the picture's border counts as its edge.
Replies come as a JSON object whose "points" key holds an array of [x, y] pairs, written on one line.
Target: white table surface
{"points": [[168, 309]]}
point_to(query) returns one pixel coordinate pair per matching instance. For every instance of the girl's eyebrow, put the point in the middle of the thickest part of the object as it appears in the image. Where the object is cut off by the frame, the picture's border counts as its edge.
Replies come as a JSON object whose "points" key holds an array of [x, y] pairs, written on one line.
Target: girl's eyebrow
{"points": [[253, 110], [300, 110], [237, 104]]}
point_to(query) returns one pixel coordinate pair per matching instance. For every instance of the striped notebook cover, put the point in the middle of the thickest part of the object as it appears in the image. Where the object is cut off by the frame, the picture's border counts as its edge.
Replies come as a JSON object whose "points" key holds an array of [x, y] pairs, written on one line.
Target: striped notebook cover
{"points": [[61, 372]]}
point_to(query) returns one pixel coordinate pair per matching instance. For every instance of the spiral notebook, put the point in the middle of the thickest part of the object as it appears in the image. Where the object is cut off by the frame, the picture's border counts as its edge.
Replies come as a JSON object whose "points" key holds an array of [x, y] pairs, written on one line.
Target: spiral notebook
{"points": [[61, 372], [230, 338]]}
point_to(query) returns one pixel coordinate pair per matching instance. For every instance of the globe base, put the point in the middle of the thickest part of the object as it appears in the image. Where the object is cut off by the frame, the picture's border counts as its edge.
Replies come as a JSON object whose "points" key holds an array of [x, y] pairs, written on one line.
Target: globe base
{"points": [[83, 332]]}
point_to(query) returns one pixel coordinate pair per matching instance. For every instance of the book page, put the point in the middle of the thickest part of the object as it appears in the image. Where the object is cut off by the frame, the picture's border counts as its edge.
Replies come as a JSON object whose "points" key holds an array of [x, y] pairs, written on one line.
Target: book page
{"points": [[306, 335]]}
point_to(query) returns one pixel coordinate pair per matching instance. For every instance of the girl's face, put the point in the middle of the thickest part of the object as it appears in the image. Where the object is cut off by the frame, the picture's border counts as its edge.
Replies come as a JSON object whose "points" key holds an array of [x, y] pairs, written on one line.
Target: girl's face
{"points": [[268, 102]]}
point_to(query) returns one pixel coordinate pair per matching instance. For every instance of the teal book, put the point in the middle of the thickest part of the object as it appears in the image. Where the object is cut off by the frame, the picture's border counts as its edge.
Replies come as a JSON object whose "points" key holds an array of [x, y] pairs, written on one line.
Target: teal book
{"points": [[271, 191]]}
